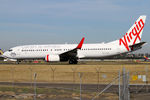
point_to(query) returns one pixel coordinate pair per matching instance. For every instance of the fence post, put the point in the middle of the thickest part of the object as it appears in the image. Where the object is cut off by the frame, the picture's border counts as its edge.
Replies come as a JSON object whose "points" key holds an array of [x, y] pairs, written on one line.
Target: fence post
{"points": [[12, 77], [119, 85], [74, 71], [147, 79], [125, 94], [31, 76], [80, 76], [35, 75], [98, 72], [53, 70], [128, 84]]}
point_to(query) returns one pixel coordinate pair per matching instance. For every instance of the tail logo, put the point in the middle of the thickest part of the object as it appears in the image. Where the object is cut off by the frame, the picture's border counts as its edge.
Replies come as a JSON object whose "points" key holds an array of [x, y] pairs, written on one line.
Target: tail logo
{"points": [[132, 35]]}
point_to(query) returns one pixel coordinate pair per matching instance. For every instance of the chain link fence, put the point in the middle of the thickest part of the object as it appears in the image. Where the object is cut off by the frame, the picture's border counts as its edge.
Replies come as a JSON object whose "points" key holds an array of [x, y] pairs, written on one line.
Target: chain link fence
{"points": [[54, 75], [97, 79]]}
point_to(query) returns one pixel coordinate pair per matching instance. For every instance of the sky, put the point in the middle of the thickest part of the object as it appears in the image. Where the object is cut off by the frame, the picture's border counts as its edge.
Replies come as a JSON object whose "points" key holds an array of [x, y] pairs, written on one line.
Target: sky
{"points": [[24, 22]]}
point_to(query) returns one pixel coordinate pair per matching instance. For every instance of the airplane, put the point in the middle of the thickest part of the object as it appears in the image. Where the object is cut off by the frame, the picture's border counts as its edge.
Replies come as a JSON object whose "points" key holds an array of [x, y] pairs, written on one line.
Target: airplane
{"points": [[146, 58], [131, 41], [1, 52]]}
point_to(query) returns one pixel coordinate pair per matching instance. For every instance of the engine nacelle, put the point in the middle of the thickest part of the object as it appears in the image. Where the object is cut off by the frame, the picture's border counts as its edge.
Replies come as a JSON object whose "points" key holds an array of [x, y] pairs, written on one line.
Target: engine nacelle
{"points": [[49, 58]]}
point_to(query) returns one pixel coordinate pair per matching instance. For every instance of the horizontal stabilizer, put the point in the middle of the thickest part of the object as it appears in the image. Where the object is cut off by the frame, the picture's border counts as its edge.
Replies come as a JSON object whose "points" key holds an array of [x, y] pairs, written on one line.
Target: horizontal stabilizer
{"points": [[137, 46]]}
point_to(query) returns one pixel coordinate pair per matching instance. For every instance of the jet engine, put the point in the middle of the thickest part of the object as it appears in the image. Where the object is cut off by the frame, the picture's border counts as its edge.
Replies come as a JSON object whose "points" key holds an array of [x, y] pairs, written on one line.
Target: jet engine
{"points": [[49, 58]]}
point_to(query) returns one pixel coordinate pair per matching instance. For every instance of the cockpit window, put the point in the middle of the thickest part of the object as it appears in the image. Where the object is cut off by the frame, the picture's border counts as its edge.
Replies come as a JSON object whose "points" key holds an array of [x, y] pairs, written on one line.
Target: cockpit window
{"points": [[10, 50]]}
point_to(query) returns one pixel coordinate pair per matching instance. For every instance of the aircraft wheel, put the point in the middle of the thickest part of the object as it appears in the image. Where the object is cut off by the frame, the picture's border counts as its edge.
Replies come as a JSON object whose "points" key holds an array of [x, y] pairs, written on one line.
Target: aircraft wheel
{"points": [[70, 62], [17, 62], [73, 61]]}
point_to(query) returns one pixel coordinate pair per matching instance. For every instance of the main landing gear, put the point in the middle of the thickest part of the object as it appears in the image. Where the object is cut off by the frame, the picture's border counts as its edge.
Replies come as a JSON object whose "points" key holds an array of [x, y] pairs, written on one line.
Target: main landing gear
{"points": [[73, 61], [17, 62]]}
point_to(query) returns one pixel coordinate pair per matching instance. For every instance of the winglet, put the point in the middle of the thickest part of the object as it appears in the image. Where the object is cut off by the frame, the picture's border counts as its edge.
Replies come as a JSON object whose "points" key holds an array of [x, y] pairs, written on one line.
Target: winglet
{"points": [[80, 44], [1, 52]]}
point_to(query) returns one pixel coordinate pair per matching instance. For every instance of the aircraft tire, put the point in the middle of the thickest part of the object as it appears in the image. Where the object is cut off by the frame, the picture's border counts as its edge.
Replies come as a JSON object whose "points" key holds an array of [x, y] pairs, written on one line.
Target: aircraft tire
{"points": [[73, 61]]}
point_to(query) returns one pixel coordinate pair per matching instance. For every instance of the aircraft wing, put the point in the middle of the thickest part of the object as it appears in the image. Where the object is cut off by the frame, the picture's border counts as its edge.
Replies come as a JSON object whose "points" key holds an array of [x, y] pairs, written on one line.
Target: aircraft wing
{"points": [[72, 54]]}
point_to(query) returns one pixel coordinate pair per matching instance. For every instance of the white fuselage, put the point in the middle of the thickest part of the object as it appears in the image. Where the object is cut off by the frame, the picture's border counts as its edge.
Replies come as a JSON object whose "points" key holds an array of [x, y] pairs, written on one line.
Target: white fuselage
{"points": [[87, 50]]}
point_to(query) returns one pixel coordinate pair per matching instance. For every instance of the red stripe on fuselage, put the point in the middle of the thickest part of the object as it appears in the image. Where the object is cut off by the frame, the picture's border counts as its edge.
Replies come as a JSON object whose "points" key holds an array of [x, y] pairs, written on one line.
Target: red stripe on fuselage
{"points": [[47, 58]]}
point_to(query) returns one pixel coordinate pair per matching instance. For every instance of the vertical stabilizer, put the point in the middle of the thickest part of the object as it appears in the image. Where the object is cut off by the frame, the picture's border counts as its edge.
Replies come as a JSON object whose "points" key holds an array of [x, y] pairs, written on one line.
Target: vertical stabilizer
{"points": [[134, 34]]}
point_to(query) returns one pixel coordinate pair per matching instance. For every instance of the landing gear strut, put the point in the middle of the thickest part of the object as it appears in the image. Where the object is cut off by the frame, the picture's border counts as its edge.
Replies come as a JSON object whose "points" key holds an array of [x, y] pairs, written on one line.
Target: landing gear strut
{"points": [[73, 61], [17, 62]]}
